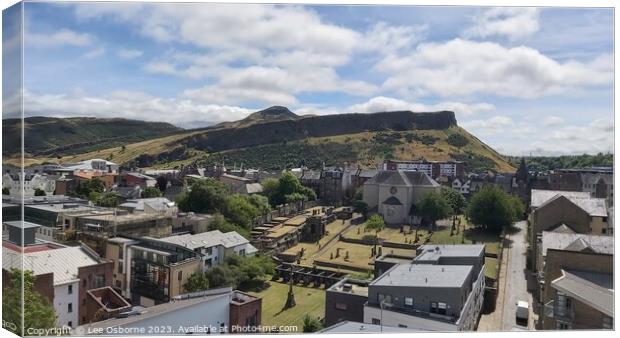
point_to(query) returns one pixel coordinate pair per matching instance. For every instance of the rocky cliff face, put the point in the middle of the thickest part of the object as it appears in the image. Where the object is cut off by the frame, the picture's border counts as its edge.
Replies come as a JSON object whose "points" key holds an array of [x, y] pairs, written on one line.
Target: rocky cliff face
{"points": [[317, 126]]}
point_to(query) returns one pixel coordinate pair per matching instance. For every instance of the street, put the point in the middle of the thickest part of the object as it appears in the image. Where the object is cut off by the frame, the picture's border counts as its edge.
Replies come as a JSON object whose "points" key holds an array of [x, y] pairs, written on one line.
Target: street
{"points": [[512, 284], [515, 282]]}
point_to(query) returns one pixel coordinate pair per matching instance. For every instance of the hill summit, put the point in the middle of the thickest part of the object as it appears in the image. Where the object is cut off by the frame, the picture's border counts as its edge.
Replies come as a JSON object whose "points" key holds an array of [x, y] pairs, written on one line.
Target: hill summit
{"points": [[271, 114]]}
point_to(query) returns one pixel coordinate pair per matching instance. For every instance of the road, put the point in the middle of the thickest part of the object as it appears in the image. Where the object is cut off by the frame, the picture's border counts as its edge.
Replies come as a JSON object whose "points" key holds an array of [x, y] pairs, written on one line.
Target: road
{"points": [[515, 287]]}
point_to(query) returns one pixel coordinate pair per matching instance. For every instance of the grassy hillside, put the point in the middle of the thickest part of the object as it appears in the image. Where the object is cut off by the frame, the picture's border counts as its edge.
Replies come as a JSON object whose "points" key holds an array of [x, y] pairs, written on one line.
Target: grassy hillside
{"points": [[368, 149], [48, 136]]}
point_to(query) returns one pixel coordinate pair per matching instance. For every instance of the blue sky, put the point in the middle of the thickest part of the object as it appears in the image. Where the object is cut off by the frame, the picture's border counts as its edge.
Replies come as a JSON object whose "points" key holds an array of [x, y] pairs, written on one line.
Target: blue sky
{"points": [[524, 80]]}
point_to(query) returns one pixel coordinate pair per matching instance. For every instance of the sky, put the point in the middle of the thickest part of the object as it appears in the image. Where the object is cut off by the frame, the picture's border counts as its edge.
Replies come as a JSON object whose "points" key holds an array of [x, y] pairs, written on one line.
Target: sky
{"points": [[524, 80]]}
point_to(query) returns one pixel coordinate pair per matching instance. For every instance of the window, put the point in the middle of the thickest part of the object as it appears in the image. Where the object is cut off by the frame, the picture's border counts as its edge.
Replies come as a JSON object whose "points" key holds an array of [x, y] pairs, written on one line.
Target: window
{"points": [[607, 323], [433, 307], [559, 325], [70, 289], [408, 302], [118, 284], [180, 275], [441, 308], [99, 281], [605, 219], [376, 321], [209, 250], [70, 324], [341, 306], [386, 299], [70, 307]]}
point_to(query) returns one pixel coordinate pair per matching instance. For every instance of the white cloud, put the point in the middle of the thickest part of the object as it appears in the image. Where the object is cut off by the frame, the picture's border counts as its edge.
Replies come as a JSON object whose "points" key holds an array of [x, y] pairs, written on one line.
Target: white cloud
{"points": [[273, 85], [63, 37], [552, 121], [512, 22], [493, 124], [461, 68], [132, 105], [95, 53], [129, 53], [270, 44], [385, 38], [382, 103]]}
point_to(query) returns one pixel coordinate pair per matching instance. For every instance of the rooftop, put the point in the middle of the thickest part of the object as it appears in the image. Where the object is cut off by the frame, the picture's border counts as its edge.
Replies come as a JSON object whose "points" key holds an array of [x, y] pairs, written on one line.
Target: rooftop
{"points": [[352, 286], [402, 178], [207, 239], [157, 203], [539, 197], [576, 242], [355, 327], [62, 262], [424, 275], [593, 289], [431, 252]]}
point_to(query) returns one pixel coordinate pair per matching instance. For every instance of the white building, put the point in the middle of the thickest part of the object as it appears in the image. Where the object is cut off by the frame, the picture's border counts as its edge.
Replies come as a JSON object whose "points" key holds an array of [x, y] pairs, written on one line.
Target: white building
{"points": [[214, 246], [462, 185], [32, 182]]}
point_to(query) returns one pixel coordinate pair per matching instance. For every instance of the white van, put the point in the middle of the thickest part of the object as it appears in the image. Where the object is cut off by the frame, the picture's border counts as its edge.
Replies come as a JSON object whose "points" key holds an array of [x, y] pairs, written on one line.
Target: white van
{"points": [[523, 312]]}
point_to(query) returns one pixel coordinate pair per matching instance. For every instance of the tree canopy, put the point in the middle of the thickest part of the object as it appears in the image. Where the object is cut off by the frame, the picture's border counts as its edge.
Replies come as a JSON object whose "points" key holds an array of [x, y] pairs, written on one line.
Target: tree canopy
{"points": [[493, 208], [38, 311], [196, 282], [239, 272], [150, 192], [374, 223], [287, 189], [206, 196], [434, 207]]}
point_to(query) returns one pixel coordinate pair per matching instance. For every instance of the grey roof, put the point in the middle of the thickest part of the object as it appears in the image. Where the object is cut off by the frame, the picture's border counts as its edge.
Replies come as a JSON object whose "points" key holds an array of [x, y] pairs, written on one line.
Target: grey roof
{"points": [[62, 262], [592, 178], [576, 242], [207, 239], [541, 196], [392, 200], [20, 224], [425, 275], [593, 206], [157, 203], [430, 252], [591, 288], [563, 228], [400, 177], [254, 188], [355, 327]]}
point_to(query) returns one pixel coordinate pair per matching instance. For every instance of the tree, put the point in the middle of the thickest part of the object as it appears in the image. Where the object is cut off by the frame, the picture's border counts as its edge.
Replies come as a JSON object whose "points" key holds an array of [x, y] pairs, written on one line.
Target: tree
{"points": [[206, 195], [90, 188], [271, 189], [196, 282], [222, 224], [517, 207], [150, 192], [38, 311], [39, 192], [312, 324], [162, 183], [238, 271], [294, 197], [455, 200], [108, 199], [241, 211], [375, 223], [491, 208], [361, 207], [261, 203], [434, 207]]}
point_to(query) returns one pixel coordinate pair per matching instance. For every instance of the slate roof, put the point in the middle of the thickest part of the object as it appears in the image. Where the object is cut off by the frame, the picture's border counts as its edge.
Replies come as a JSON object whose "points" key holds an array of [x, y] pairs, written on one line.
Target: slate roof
{"points": [[591, 288], [392, 201], [207, 239], [593, 206], [539, 197], [576, 242], [400, 177]]}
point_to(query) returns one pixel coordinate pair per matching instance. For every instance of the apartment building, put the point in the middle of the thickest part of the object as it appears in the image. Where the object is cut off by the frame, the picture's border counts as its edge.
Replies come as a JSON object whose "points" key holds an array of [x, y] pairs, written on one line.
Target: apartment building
{"points": [[64, 275], [214, 246], [433, 169]]}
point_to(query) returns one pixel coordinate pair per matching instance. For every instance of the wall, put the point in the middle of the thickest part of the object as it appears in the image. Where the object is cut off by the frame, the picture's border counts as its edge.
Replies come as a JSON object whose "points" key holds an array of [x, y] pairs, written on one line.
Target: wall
{"points": [[354, 307], [185, 269], [88, 280], [62, 298]]}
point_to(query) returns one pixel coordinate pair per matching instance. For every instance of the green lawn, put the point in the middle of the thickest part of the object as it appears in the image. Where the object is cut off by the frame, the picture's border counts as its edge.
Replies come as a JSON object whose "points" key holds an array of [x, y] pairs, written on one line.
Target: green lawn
{"points": [[309, 301], [469, 235], [490, 267]]}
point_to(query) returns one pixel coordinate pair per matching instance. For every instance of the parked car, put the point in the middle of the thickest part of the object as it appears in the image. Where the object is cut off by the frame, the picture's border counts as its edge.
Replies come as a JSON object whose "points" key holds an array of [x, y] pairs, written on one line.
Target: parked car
{"points": [[522, 313]]}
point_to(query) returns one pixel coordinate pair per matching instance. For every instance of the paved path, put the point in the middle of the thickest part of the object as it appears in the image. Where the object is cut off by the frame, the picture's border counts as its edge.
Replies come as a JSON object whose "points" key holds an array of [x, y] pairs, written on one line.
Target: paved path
{"points": [[512, 284], [515, 288]]}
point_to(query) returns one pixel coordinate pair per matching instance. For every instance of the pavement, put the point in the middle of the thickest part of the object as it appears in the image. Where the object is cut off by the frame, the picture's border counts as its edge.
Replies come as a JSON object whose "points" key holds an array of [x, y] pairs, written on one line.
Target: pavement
{"points": [[512, 285]]}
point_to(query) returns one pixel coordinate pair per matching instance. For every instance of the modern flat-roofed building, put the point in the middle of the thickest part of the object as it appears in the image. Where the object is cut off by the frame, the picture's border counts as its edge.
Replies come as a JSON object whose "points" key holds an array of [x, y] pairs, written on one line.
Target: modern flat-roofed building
{"points": [[344, 301], [212, 311]]}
